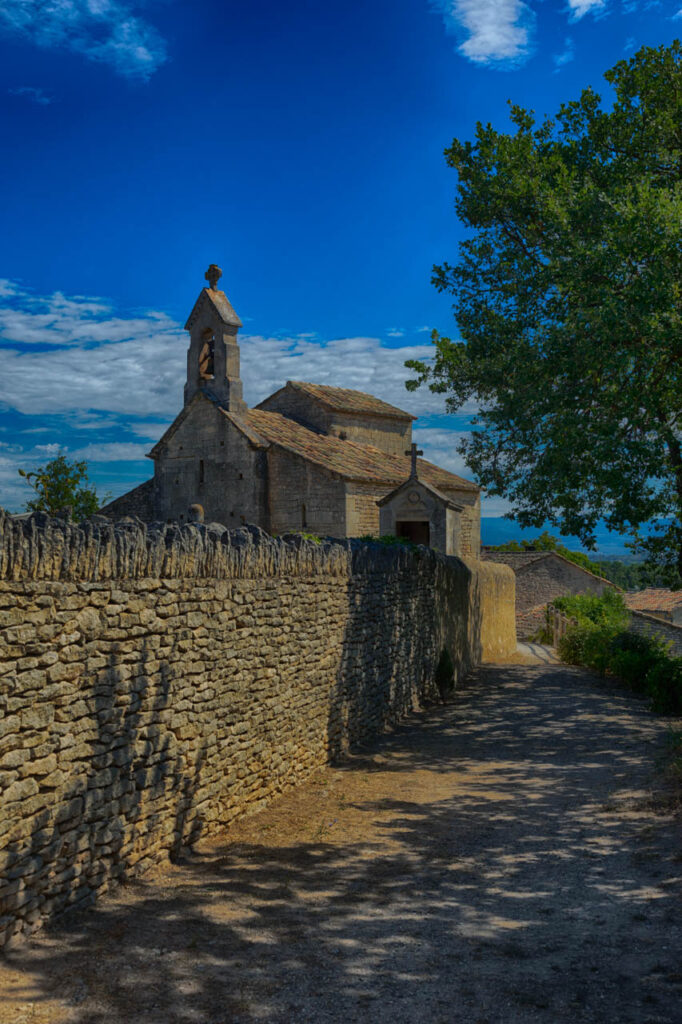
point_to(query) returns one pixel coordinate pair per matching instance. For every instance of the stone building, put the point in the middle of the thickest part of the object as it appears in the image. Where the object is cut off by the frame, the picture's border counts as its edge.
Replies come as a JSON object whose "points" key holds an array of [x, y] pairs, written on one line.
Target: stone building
{"points": [[540, 577], [657, 601], [309, 458]]}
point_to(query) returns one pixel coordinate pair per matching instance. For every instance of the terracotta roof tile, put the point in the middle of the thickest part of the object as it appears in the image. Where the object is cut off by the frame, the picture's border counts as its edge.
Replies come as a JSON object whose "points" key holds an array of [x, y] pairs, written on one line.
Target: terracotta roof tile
{"points": [[654, 599], [347, 400], [348, 459]]}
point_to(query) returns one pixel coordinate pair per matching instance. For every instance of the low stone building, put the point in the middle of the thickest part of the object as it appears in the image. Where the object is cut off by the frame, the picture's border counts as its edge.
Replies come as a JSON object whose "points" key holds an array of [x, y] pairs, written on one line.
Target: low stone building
{"points": [[542, 576], [418, 512], [309, 458], [659, 602]]}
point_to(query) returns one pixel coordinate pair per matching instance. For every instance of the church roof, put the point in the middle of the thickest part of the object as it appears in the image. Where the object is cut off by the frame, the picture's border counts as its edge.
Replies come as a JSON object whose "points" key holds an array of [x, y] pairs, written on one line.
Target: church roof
{"points": [[347, 400], [347, 458]]}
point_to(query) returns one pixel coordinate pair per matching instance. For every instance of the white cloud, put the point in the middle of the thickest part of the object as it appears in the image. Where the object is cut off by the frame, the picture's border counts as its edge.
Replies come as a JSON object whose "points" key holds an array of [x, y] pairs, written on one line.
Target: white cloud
{"points": [[151, 431], [395, 332], [440, 446], [35, 95], [58, 320], [105, 31], [75, 364], [496, 31], [8, 288], [86, 358], [565, 57], [579, 8], [115, 451]]}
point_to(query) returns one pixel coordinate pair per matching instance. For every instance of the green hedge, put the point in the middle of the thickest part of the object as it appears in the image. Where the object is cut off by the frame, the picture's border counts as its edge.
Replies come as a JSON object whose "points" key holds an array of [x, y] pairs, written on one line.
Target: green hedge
{"points": [[599, 640]]}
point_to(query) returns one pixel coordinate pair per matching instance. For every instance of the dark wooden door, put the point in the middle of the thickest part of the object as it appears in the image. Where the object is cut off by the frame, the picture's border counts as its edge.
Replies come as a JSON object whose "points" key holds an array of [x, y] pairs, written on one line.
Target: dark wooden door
{"points": [[417, 532]]}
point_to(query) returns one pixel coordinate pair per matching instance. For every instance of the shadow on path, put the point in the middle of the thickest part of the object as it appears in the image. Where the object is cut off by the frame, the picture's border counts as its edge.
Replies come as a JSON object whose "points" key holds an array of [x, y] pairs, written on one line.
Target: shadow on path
{"points": [[494, 860]]}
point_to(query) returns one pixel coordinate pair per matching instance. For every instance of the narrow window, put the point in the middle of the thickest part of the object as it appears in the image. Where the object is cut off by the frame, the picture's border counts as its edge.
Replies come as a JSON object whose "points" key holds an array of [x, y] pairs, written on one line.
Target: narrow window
{"points": [[304, 518], [201, 471]]}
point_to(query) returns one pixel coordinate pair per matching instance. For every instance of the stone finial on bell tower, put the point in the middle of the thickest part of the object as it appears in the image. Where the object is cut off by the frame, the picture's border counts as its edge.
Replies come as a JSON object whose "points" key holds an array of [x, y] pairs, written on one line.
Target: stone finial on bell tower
{"points": [[213, 355]]}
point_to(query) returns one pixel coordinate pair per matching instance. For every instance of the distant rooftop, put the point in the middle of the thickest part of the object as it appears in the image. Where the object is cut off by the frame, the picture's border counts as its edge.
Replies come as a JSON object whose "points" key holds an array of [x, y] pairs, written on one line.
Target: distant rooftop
{"points": [[654, 599]]}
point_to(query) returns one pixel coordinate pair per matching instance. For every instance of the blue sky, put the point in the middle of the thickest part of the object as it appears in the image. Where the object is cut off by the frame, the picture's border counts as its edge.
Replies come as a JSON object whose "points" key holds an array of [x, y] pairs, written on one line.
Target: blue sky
{"points": [[299, 145]]}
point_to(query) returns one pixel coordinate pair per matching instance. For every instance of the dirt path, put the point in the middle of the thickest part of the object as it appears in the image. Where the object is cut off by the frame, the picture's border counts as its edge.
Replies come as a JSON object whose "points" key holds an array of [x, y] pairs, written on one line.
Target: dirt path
{"points": [[496, 860]]}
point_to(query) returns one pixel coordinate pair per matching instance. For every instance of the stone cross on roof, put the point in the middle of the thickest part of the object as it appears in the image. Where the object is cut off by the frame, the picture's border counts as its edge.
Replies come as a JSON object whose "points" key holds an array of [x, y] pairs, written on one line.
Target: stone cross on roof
{"points": [[414, 452], [213, 275]]}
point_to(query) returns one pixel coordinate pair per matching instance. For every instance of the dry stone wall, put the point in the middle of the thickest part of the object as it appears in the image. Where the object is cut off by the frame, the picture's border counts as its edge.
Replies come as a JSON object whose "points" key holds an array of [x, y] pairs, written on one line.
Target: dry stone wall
{"points": [[652, 626], [156, 682]]}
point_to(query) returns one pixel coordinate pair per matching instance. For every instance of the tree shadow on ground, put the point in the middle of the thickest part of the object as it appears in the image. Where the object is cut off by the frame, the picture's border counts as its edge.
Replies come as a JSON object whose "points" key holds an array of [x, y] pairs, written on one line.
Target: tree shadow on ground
{"points": [[534, 884]]}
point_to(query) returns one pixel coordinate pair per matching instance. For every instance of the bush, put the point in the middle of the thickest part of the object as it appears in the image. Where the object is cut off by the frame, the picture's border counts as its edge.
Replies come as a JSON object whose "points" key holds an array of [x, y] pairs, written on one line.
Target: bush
{"points": [[598, 609], [444, 677], [387, 540], [633, 655], [599, 641], [664, 685], [588, 644]]}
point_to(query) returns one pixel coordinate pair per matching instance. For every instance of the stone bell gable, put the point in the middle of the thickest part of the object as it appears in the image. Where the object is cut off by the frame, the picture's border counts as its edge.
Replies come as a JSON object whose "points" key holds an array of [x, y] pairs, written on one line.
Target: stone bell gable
{"points": [[311, 457], [213, 354]]}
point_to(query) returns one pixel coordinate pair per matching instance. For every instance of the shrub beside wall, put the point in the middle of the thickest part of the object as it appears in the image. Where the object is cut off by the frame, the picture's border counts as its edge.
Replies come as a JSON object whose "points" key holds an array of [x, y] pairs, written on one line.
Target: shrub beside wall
{"points": [[156, 682], [600, 638]]}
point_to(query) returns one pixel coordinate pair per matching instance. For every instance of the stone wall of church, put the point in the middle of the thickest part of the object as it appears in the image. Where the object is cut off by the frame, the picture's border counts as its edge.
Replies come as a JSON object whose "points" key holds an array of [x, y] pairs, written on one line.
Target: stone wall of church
{"points": [[362, 511], [140, 502], [297, 405], [304, 497], [384, 432], [470, 521], [210, 462], [155, 683], [388, 435]]}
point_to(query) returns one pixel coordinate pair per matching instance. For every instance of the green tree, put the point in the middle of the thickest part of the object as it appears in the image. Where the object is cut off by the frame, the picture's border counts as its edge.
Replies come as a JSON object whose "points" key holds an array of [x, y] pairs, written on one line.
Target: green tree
{"points": [[60, 485], [567, 294]]}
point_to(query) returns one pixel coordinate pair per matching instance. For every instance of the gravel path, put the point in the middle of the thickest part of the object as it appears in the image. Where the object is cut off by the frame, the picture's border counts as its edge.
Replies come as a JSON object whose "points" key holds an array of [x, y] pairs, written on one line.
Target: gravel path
{"points": [[496, 860]]}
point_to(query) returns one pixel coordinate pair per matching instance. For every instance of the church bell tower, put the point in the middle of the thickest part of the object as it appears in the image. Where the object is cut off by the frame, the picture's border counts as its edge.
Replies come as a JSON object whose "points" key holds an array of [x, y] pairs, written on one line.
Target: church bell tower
{"points": [[213, 354]]}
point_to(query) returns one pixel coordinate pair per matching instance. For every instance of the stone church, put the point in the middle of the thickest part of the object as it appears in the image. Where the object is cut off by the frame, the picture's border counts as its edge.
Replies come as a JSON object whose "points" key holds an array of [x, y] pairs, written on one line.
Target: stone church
{"points": [[312, 458]]}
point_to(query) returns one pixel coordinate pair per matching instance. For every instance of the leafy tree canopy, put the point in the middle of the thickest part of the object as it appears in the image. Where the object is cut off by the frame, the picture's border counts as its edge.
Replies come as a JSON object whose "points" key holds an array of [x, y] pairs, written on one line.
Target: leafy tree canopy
{"points": [[567, 294], [60, 485]]}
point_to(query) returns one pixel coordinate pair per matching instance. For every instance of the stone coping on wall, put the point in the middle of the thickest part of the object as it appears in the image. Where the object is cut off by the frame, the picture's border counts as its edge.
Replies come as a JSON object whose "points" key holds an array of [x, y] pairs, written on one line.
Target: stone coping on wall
{"points": [[44, 547]]}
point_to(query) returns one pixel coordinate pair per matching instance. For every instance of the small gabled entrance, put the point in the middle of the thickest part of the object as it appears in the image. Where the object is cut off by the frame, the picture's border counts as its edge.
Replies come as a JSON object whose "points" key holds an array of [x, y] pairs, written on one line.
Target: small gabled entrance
{"points": [[415, 530]]}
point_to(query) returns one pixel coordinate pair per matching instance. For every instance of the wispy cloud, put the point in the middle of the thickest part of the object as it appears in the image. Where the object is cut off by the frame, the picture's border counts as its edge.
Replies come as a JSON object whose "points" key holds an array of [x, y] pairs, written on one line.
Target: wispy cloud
{"points": [[33, 94], [565, 57], [70, 355], [105, 31], [108, 385], [495, 31], [76, 321], [579, 8], [114, 451]]}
